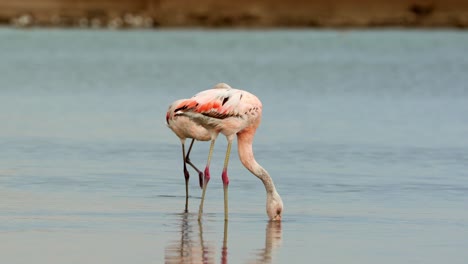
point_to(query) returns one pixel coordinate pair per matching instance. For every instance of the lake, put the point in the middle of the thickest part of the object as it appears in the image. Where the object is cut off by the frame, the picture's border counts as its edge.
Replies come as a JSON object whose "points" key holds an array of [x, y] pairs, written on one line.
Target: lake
{"points": [[364, 133]]}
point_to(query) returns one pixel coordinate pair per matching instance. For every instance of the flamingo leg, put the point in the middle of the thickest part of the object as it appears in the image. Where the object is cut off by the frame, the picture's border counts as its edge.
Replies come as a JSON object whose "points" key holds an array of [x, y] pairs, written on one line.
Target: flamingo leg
{"points": [[207, 178], [226, 179], [187, 160], [224, 250], [186, 175]]}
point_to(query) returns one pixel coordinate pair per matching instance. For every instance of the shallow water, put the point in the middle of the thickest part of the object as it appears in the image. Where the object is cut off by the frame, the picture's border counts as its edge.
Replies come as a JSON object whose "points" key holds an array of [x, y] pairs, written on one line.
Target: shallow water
{"points": [[364, 133]]}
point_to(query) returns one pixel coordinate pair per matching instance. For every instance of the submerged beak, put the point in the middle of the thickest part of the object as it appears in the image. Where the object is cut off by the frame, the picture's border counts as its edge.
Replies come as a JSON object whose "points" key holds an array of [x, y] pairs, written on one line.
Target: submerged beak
{"points": [[276, 218]]}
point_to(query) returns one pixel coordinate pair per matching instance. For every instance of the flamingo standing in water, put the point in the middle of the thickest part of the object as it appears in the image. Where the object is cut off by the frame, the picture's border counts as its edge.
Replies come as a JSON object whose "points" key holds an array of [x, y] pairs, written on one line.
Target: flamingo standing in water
{"points": [[231, 112], [185, 128]]}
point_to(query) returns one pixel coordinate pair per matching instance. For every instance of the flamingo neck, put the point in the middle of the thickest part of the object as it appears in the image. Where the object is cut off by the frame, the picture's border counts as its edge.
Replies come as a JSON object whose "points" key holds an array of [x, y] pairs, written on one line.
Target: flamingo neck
{"points": [[244, 144]]}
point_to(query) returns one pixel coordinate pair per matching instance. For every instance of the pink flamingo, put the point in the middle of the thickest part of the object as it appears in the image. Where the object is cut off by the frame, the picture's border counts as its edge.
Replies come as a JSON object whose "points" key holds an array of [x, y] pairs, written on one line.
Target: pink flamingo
{"points": [[185, 128], [231, 112]]}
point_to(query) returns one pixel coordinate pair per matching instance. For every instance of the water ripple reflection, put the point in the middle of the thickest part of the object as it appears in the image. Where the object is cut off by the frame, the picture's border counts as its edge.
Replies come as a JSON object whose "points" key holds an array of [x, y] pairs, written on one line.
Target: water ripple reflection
{"points": [[191, 246]]}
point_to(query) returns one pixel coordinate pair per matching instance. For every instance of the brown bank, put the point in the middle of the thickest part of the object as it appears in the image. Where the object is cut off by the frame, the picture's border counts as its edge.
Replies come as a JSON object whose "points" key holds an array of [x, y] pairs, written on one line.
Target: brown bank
{"points": [[238, 13]]}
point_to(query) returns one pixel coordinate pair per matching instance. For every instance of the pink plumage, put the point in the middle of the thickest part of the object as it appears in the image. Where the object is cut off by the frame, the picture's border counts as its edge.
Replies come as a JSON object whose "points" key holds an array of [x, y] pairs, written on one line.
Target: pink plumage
{"points": [[231, 112], [227, 111], [185, 128]]}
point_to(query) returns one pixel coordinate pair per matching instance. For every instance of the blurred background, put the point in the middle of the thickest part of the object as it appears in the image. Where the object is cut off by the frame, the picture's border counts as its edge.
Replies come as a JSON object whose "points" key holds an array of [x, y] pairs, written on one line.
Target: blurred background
{"points": [[364, 130], [241, 13]]}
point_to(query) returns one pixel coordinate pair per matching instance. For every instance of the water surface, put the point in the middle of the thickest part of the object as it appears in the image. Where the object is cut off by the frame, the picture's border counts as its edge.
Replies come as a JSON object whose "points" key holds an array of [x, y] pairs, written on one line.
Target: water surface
{"points": [[363, 132]]}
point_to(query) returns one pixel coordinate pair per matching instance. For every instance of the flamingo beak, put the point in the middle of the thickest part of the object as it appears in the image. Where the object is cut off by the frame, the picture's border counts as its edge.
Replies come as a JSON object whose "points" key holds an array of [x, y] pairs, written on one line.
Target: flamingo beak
{"points": [[276, 218]]}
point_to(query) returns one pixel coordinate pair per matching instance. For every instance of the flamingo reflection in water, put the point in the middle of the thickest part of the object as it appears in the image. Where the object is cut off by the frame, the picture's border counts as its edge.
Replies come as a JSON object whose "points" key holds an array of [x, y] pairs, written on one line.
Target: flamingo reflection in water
{"points": [[191, 247], [273, 236]]}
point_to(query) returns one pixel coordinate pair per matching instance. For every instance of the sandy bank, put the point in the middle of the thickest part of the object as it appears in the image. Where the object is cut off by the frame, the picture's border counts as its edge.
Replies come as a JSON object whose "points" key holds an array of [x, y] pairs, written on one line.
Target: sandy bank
{"points": [[239, 13]]}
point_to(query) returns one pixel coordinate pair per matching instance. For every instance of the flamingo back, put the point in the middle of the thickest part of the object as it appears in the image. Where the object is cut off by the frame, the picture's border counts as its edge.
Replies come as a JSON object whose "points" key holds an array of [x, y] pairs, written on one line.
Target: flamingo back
{"points": [[184, 127], [226, 110]]}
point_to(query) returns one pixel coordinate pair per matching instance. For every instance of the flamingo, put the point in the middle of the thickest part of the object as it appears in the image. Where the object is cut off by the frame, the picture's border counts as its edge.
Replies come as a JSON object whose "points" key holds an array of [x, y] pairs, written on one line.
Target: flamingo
{"points": [[185, 128], [231, 112]]}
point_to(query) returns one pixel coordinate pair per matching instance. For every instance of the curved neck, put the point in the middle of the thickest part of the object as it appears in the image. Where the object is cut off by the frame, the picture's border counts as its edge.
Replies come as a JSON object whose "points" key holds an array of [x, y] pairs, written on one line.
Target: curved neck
{"points": [[244, 145]]}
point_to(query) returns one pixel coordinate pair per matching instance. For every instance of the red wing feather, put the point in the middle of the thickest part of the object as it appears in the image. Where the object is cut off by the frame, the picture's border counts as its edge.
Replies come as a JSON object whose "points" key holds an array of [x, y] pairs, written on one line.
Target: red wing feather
{"points": [[216, 103]]}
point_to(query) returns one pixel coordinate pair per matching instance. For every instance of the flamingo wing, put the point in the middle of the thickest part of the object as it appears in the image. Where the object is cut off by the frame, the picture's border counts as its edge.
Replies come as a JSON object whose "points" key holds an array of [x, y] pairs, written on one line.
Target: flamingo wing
{"points": [[215, 103]]}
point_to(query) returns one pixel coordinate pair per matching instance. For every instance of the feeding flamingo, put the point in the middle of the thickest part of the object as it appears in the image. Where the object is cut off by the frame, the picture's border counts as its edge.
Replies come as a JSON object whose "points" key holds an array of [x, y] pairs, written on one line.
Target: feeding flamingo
{"points": [[231, 112], [185, 128]]}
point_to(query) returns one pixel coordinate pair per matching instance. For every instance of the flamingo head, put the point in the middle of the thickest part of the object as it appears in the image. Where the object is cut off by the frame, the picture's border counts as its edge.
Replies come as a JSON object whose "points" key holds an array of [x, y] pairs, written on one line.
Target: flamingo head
{"points": [[274, 207]]}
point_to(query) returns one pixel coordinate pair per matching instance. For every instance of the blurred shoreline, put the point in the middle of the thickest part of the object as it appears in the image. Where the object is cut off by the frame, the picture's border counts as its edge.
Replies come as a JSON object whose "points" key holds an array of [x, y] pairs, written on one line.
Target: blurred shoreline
{"points": [[126, 14]]}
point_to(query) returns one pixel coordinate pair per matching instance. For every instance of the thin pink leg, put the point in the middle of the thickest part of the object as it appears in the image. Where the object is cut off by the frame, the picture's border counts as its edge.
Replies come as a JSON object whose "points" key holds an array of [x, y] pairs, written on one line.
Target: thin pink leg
{"points": [[225, 178], [207, 174], [187, 160], [206, 178], [186, 175]]}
